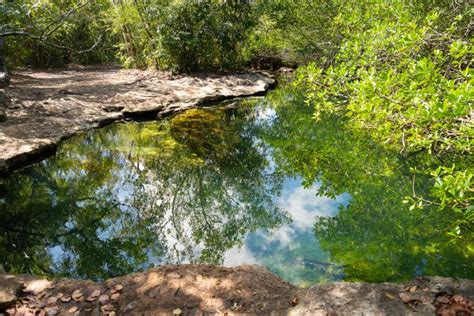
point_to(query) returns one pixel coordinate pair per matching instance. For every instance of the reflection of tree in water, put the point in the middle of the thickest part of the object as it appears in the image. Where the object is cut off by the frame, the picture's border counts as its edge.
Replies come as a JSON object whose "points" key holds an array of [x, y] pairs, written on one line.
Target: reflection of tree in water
{"points": [[213, 190], [376, 237], [184, 189]]}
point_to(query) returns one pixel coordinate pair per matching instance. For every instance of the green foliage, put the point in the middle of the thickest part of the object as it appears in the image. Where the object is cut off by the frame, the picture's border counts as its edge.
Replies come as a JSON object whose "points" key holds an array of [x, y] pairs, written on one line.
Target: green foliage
{"points": [[178, 35], [205, 34], [134, 23], [295, 31], [376, 237], [403, 72], [183, 35], [56, 30], [116, 200]]}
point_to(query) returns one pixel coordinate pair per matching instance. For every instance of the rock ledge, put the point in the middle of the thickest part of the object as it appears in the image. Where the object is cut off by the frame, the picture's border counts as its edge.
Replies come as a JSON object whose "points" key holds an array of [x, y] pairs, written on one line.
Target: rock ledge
{"points": [[248, 290], [50, 105]]}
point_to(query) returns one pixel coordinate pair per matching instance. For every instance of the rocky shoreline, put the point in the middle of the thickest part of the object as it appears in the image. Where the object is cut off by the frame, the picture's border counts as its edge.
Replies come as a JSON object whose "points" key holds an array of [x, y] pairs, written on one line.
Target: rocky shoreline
{"points": [[215, 290], [47, 106]]}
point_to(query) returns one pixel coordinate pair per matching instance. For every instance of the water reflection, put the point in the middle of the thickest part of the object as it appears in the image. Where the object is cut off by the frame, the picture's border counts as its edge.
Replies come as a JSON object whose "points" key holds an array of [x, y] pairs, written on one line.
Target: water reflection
{"points": [[258, 183], [375, 237], [292, 249], [131, 196]]}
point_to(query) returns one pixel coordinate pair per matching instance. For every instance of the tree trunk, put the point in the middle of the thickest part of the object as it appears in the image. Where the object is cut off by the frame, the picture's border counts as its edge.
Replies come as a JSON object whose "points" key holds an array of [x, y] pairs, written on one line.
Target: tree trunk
{"points": [[4, 80], [4, 77]]}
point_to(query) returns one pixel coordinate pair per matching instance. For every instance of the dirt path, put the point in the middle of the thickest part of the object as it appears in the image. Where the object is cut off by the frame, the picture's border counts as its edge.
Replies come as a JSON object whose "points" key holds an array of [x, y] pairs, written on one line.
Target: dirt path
{"points": [[48, 106], [213, 290]]}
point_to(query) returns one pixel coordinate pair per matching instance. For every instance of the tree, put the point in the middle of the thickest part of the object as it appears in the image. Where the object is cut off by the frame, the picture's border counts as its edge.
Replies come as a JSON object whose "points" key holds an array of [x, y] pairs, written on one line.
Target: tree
{"points": [[121, 198], [4, 77], [376, 237]]}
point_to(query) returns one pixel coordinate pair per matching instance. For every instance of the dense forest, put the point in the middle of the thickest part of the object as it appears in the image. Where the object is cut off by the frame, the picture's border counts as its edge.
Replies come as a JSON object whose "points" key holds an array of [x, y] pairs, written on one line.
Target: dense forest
{"points": [[399, 70]]}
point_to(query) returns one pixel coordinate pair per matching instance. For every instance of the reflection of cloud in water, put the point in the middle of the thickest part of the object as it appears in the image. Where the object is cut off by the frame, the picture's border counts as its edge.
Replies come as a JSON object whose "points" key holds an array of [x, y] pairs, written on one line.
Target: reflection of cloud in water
{"points": [[265, 114], [238, 256], [303, 205]]}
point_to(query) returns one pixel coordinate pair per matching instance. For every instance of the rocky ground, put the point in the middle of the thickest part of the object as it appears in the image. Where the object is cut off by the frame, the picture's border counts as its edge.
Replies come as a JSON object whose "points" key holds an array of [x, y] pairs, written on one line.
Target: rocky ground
{"points": [[211, 290], [50, 105]]}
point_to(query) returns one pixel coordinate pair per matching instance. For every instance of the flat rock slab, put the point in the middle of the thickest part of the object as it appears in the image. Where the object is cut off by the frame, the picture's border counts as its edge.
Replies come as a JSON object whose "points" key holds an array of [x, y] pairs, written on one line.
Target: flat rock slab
{"points": [[244, 290], [48, 106]]}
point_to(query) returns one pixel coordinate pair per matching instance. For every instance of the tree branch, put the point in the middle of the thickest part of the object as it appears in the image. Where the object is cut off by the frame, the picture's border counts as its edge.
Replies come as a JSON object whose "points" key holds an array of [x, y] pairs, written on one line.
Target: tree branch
{"points": [[61, 18], [43, 41], [54, 25]]}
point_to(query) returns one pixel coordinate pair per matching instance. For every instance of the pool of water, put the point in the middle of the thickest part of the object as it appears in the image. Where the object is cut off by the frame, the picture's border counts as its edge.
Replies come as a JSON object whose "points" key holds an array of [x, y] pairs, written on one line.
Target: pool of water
{"points": [[256, 183]]}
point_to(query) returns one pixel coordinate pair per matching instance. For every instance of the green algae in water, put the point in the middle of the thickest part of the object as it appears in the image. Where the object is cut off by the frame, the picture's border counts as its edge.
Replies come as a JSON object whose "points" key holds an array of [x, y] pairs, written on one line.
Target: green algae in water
{"points": [[261, 183]]}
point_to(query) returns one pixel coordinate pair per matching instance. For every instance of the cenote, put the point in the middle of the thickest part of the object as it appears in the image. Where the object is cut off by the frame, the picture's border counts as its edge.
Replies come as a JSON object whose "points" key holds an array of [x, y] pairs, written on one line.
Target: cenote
{"points": [[253, 182]]}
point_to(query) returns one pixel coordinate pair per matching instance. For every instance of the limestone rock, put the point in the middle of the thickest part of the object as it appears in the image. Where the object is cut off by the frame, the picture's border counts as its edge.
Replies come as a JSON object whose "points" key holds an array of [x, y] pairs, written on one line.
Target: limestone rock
{"points": [[55, 104], [247, 289], [9, 289]]}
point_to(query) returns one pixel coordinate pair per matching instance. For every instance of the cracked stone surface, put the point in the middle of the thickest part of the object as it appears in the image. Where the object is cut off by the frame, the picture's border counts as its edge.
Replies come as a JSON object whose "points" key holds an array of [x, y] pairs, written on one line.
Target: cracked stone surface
{"points": [[49, 105]]}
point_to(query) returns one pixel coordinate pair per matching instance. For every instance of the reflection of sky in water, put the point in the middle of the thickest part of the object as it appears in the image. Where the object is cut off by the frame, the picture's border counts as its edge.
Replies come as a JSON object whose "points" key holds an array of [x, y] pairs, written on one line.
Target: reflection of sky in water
{"points": [[231, 203], [292, 250]]}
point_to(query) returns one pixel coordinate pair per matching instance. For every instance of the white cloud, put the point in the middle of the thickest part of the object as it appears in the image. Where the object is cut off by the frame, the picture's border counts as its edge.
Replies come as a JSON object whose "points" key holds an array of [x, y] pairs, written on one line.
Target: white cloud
{"points": [[239, 255], [304, 205]]}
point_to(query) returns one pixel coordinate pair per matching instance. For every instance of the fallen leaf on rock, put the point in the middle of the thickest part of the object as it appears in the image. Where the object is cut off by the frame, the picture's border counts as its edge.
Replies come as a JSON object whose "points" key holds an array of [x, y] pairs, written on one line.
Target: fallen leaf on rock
{"points": [[41, 304], [107, 308], [294, 301], [177, 311], [130, 306], [22, 310], [103, 299], [76, 292], [412, 289], [236, 306], [174, 275], [115, 296], [96, 293], [78, 297], [25, 299], [38, 286], [389, 296], [33, 304], [426, 300], [52, 300], [52, 310], [443, 299], [404, 297], [73, 309], [36, 304], [93, 296]]}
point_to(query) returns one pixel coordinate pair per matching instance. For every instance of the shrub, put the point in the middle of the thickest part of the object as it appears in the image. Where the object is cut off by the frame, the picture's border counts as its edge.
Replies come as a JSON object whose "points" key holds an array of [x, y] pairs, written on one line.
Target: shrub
{"points": [[205, 35], [403, 72]]}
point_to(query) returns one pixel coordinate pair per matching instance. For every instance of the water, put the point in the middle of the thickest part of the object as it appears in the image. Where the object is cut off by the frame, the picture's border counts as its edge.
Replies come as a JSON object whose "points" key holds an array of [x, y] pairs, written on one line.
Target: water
{"points": [[258, 183]]}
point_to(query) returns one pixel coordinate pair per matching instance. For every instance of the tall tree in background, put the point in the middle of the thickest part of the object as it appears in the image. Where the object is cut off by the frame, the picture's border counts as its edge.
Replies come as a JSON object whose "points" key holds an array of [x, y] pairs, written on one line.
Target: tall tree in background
{"points": [[4, 78]]}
